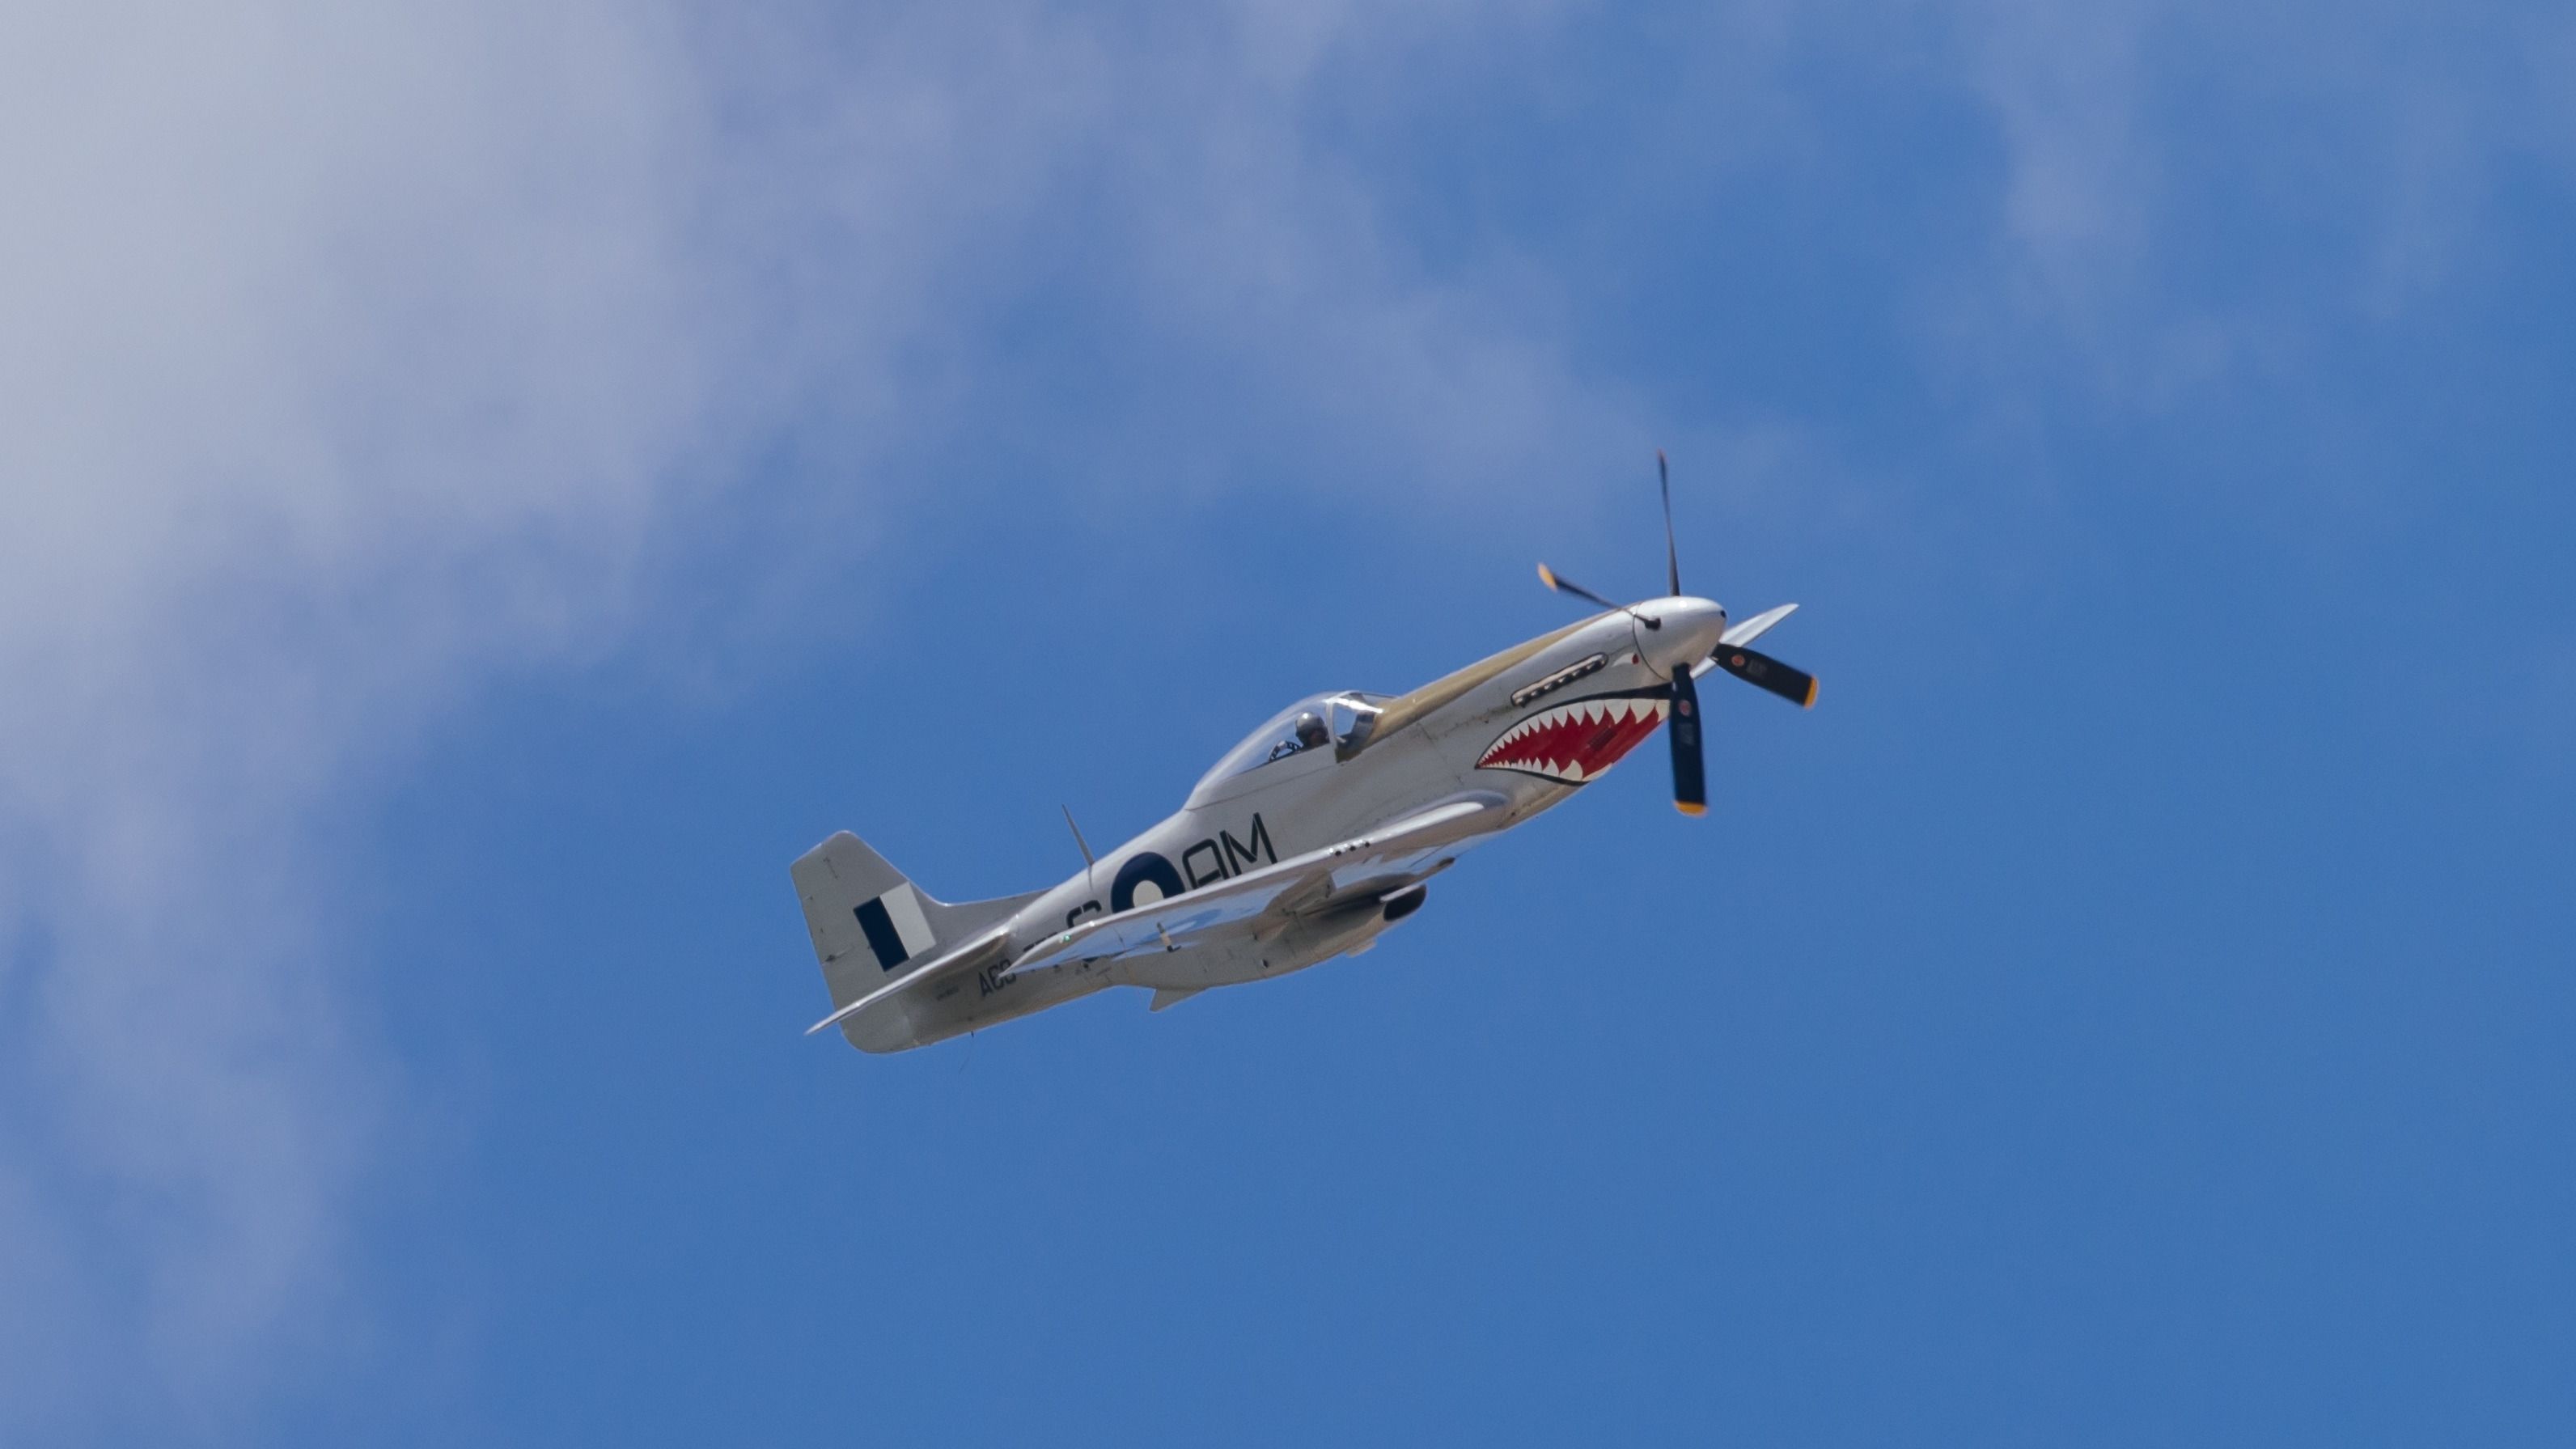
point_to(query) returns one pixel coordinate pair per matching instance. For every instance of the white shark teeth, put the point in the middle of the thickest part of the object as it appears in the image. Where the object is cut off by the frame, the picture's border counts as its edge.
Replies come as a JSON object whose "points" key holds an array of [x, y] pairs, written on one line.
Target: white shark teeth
{"points": [[1592, 712], [1580, 717]]}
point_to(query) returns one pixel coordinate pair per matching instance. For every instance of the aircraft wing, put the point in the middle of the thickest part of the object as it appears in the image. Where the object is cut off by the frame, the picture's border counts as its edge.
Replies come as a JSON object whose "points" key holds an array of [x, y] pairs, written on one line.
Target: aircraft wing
{"points": [[1389, 857]]}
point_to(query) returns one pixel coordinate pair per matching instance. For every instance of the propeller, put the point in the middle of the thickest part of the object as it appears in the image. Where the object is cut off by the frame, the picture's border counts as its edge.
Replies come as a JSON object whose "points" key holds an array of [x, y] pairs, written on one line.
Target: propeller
{"points": [[1548, 576], [1690, 775], [1672, 555], [1764, 672]]}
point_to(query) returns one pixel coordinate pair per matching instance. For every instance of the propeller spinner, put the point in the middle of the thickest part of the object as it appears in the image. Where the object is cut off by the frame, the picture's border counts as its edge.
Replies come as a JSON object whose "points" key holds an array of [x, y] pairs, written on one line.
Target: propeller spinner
{"points": [[1690, 777]]}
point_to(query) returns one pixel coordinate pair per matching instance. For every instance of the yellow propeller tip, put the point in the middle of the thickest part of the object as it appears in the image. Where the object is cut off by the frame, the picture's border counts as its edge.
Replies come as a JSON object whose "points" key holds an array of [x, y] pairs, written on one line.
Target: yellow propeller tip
{"points": [[1546, 576], [1693, 811], [1810, 701]]}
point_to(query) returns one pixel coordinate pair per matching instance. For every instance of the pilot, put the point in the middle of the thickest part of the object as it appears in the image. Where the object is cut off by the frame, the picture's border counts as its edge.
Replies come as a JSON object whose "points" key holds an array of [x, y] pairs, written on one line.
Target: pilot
{"points": [[1310, 731]]}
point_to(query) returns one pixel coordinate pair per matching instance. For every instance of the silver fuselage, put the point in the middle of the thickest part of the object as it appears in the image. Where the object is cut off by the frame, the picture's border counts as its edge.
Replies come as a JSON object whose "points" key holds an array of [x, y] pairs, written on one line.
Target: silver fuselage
{"points": [[1445, 740]]}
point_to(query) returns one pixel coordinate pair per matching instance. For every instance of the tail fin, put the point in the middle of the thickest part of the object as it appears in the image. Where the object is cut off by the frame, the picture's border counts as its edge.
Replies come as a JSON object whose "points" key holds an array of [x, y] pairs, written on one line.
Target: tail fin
{"points": [[869, 921]]}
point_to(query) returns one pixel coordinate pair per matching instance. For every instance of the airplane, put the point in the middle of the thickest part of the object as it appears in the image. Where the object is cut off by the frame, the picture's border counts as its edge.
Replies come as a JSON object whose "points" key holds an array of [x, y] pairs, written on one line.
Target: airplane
{"points": [[1303, 843]]}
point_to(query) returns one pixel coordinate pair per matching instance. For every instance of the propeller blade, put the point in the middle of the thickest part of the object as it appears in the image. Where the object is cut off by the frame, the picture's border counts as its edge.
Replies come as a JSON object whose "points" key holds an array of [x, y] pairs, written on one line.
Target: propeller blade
{"points": [[1672, 556], [1761, 670], [1690, 774], [1548, 577], [1745, 631]]}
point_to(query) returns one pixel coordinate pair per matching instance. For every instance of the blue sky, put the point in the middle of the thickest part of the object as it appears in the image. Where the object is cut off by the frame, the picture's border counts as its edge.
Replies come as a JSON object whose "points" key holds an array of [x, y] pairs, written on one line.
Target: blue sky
{"points": [[487, 492]]}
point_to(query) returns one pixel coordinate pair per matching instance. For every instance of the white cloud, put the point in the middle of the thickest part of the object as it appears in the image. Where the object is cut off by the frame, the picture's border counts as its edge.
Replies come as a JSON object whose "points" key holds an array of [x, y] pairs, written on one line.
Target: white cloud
{"points": [[354, 356], [2197, 195], [345, 358]]}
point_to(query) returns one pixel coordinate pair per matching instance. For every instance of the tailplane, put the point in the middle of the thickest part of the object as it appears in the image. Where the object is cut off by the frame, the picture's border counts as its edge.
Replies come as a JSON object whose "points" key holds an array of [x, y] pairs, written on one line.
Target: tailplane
{"points": [[870, 923]]}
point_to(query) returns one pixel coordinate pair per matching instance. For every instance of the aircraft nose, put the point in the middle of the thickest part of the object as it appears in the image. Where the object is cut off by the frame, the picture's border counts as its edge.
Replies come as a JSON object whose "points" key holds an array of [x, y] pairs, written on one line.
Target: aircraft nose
{"points": [[1687, 631]]}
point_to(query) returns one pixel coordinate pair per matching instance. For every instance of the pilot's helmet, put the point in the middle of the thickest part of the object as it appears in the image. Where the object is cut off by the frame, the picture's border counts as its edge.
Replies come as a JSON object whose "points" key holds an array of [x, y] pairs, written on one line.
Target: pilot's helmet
{"points": [[1310, 729]]}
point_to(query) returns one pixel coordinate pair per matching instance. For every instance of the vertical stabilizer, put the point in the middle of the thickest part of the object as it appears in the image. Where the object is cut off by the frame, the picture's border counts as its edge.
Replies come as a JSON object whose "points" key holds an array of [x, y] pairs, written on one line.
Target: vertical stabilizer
{"points": [[870, 923]]}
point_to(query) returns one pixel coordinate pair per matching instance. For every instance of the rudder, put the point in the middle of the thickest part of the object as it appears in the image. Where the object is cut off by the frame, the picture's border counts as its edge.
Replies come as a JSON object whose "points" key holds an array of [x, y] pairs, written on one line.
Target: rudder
{"points": [[869, 921]]}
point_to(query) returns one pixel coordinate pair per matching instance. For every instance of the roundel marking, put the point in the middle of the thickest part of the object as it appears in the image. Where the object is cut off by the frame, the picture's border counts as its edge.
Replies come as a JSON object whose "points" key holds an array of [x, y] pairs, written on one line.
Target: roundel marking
{"points": [[1142, 867]]}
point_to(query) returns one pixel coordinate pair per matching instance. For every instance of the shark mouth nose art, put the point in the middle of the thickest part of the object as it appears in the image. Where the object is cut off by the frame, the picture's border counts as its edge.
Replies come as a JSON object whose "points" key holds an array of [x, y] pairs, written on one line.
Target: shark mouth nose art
{"points": [[1579, 739]]}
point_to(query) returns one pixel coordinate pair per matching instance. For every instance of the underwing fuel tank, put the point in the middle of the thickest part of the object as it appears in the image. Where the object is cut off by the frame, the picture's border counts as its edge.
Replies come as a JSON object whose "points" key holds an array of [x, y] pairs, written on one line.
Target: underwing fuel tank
{"points": [[1353, 928]]}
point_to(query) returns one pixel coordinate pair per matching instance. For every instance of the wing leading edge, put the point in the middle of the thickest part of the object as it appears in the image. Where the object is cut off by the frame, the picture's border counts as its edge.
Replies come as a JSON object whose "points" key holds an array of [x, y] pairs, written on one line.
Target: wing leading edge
{"points": [[1386, 858]]}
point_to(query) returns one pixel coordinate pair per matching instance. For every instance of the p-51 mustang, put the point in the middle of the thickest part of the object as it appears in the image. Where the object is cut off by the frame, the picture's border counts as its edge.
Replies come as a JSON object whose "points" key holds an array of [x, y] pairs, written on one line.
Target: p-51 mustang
{"points": [[1305, 842]]}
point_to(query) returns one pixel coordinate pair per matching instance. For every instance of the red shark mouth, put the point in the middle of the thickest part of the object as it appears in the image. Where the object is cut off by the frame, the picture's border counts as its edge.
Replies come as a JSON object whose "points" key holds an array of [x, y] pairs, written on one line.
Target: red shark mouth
{"points": [[1577, 740]]}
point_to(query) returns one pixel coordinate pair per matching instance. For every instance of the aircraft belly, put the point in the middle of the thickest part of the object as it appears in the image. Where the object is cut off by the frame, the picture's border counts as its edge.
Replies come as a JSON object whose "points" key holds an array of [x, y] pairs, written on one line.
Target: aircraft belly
{"points": [[1191, 968], [1303, 943], [969, 1004]]}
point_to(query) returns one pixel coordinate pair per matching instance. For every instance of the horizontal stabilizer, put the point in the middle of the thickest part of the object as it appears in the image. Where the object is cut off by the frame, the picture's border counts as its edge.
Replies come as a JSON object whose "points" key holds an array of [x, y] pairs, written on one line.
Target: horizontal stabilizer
{"points": [[985, 950], [875, 932]]}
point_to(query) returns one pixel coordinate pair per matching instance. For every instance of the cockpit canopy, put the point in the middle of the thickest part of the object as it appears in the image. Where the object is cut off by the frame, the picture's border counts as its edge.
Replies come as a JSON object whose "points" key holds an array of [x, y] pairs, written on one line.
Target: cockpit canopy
{"points": [[1339, 722]]}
